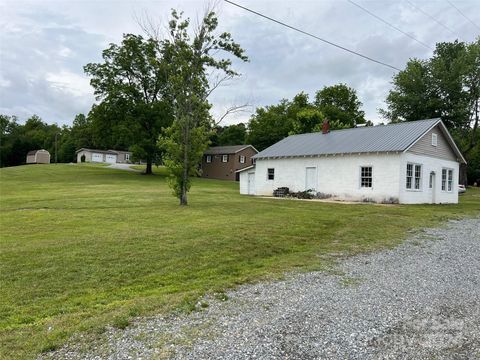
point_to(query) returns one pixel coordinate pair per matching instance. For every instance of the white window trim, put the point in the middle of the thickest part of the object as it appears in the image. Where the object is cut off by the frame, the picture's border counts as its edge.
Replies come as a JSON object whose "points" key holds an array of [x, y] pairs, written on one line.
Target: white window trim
{"points": [[360, 177], [413, 177], [242, 159], [446, 180], [434, 139], [224, 158], [127, 156], [208, 159]]}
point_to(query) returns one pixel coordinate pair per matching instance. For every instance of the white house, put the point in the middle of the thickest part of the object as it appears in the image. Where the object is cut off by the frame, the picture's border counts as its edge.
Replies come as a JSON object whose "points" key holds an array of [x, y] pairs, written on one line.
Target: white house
{"points": [[103, 156], [408, 163]]}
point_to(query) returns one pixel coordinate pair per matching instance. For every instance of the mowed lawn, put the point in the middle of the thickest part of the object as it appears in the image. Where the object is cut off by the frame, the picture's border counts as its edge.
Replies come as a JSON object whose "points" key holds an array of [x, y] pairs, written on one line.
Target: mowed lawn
{"points": [[83, 247]]}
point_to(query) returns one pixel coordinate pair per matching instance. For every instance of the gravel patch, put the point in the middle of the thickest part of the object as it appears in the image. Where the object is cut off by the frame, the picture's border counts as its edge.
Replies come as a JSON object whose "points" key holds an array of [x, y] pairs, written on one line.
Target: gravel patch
{"points": [[417, 301], [119, 166]]}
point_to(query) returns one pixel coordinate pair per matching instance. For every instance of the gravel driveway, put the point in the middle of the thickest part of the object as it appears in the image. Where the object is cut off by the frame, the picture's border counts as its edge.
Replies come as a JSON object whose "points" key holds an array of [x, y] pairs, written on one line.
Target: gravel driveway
{"points": [[417, 301]]}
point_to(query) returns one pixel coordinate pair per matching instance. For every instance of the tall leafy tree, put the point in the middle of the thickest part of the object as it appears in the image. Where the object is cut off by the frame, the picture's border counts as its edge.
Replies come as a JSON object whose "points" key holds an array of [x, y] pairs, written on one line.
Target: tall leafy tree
{"points": [[131, 85], [191, 57], [269, 124], [340, 103], [229, 135], [307, 121], [447, 86]]}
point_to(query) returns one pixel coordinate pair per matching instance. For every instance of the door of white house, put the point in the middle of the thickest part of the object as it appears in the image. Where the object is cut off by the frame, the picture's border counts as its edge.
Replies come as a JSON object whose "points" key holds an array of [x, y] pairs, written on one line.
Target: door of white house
{"points": [[251, 183], [97, 157], [112, 159], [311, 178]]}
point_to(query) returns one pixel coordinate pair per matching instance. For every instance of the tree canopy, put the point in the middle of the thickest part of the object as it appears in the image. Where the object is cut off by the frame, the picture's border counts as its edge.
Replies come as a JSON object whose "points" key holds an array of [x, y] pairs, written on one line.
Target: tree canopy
{"points": [[131, 84], [339, 104], [446, 86]]}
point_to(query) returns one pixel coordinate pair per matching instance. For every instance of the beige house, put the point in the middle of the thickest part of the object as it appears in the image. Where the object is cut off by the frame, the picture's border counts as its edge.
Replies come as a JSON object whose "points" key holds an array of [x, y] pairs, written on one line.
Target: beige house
{"points": [[104, 156], [223, 162], [38, 157]]}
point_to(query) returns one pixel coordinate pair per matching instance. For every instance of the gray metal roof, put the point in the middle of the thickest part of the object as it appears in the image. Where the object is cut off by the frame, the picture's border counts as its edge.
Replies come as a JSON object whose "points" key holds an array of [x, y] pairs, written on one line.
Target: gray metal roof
{"points": [[33, 152], [380, 138], [112, 152], [219, 150]]}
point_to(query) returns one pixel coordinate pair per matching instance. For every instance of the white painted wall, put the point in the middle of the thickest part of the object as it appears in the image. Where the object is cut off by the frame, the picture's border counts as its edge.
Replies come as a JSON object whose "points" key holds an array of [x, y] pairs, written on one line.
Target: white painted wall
{"points": [[339, 176], [244, 181], [425, 195]]}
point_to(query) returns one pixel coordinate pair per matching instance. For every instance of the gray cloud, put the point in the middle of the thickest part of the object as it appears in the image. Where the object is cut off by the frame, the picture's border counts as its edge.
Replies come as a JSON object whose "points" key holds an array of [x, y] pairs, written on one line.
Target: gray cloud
{"points": [[45, 45]]}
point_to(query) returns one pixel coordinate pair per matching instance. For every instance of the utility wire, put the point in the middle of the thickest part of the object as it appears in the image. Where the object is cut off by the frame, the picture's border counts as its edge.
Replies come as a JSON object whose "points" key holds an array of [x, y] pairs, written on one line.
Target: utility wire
{"points": [[313, 36], [389, 24], [461, 13], [431, 17]]}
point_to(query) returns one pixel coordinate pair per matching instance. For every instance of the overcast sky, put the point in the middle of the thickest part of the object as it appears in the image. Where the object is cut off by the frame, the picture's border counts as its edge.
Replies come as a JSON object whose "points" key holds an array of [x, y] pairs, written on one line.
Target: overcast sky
{"points": [[46, 43]]}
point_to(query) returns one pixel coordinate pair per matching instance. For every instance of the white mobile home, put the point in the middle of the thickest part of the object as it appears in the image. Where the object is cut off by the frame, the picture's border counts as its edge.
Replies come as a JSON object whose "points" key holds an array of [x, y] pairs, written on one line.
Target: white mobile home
{"points": [[409, 163], [103, 156]]}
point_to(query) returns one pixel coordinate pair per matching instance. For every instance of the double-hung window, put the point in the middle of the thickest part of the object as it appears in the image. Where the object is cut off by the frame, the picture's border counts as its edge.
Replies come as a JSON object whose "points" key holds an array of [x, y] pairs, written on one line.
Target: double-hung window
{"points": [[414, 176], [366, 177], [208, 158], [447, 179], [224, 158], [242, 159]]}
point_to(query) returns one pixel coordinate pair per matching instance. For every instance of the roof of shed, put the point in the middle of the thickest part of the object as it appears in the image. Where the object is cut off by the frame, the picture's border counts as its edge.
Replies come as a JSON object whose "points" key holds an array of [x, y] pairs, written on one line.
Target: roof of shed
{"points": [[396, 137], [33, 152], [232, 149]]}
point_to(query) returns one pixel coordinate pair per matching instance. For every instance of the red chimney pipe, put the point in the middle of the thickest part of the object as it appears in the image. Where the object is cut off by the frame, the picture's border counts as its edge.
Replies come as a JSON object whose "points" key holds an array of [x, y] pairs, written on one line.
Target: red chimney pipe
{"points": [[325, 127]]}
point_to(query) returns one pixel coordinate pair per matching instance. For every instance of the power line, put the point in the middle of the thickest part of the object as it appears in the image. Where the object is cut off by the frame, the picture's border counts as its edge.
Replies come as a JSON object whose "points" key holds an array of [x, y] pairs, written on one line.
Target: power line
{"points": [[389, 24], [313, 36], [461, 13], [431, 17]]}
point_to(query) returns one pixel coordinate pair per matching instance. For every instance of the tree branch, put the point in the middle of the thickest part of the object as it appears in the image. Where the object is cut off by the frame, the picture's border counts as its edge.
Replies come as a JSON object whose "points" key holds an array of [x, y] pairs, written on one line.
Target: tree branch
{"points": [[244, 108]]}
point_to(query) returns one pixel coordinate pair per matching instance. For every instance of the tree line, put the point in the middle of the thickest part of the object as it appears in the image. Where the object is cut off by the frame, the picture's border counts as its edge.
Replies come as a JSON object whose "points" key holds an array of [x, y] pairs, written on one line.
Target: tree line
{"points": [[107, 128]]}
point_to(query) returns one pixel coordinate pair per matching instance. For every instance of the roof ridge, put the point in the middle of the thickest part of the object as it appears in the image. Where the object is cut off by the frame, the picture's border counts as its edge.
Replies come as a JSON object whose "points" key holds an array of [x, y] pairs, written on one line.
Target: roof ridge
{"points": [[366, 127]]}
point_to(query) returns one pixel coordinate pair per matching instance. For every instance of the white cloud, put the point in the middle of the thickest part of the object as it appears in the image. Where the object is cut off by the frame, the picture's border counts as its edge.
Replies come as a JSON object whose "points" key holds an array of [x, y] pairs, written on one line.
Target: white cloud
{"points": [[73, 83]]}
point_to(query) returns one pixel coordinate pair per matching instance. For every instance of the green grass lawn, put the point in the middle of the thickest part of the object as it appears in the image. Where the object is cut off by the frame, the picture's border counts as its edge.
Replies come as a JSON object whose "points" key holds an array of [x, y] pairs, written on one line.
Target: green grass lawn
{"points": [[83, 247]]}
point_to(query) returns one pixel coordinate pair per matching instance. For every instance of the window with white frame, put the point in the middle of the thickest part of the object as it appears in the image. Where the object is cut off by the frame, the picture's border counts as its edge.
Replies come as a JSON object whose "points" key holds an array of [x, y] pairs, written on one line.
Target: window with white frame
{"points": [[434, 139], [444, 179], [242, 159], [127, 156], [447, 179], [366, 176], [208, 158], [224, 158], [270, 174], [450, 180], [414, 176]]}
